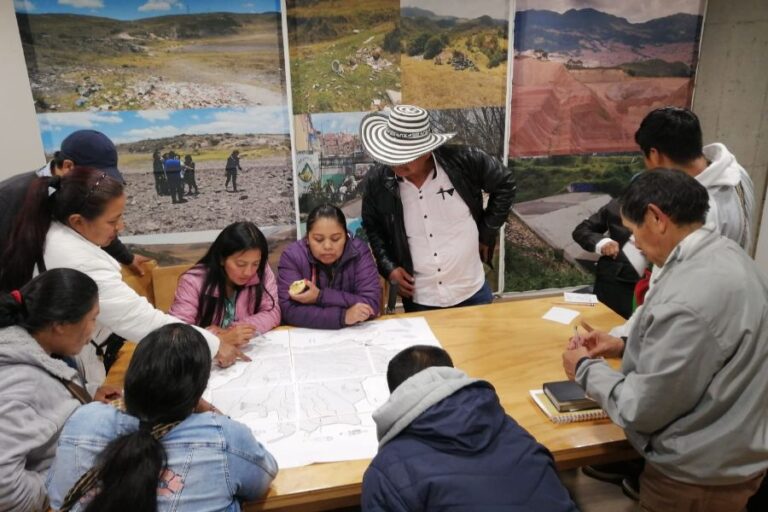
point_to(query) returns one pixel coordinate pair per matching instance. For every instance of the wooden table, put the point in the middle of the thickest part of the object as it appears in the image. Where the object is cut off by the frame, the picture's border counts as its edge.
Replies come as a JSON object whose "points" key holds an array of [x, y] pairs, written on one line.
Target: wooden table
{"points": [[507, 344]]}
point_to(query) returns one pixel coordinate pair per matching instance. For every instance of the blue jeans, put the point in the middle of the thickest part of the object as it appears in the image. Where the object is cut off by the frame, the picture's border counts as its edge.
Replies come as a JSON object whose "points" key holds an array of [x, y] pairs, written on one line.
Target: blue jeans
{"points": [[482, 296]]}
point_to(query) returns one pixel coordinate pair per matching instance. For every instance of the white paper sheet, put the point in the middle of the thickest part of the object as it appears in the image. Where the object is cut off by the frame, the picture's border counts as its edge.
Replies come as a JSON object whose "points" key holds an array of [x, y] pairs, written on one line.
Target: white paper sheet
{"points": [[308, 394], [635, 257], [580, 298], [560, 315]]}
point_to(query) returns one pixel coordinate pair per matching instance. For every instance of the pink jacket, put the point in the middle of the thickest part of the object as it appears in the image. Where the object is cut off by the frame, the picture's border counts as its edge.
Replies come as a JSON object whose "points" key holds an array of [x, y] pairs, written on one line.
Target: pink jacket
{"points": [[186, 302]]}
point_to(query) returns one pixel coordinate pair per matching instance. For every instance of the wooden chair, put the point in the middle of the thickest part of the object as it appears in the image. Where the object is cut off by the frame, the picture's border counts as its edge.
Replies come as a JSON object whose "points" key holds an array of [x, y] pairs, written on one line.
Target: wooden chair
{"points": [[116, 375], [384, 295], [164, 281], [141, 284]]}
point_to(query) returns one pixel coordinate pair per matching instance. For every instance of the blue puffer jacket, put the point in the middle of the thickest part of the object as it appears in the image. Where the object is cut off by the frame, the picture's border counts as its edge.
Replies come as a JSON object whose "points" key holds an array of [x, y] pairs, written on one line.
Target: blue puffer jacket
{"points": [[446, 444]]}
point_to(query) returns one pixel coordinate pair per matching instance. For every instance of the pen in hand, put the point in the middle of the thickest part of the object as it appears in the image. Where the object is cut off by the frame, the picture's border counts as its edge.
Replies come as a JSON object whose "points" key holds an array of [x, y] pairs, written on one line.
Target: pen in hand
{"points": [[576, 341]]}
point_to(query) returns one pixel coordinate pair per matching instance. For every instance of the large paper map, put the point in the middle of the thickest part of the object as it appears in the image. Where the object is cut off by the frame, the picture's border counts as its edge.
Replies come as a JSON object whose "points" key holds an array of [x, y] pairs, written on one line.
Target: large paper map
{"points": [[308, 394]]}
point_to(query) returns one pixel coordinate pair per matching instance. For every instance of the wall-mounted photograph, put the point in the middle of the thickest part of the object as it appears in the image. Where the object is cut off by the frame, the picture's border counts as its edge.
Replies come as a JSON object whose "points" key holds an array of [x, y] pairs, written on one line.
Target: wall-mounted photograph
{"points": [[480, 127], [345, 54], [189, 173], [102, 55], [452, 47], [331, 164], [586, 71]]}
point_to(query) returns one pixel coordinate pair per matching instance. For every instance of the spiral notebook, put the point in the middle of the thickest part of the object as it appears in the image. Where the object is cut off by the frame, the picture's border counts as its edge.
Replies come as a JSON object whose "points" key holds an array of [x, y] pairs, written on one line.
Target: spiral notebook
{"points": [[552, 413]]}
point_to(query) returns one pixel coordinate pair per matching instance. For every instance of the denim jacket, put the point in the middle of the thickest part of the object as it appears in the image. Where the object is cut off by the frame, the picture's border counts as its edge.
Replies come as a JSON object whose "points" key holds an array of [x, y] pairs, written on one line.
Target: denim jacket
{"points": [[213, 461]]}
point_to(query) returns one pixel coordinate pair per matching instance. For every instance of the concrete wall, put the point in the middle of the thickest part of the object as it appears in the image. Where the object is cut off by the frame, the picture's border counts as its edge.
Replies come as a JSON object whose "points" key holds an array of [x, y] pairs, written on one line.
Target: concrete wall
{"points": [[731, 96], [761, 254], [20, 142]]}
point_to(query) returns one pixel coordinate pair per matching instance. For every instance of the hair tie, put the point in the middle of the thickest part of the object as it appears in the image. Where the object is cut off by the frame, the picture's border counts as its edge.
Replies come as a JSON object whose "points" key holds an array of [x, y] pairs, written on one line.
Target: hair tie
{"points": [[16, 294], [54, 185], [156, 430]]}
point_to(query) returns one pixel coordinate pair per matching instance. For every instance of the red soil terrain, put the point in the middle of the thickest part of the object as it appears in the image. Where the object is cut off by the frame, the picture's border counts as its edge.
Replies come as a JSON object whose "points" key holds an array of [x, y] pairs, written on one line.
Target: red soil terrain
{"points": [[556, 111]]}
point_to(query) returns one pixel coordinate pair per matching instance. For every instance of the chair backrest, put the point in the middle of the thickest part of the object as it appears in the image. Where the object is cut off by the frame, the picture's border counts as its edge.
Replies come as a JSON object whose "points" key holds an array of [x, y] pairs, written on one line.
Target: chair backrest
{"points": [[388, 297], [384, 295], [141, 284], [164, 281]]}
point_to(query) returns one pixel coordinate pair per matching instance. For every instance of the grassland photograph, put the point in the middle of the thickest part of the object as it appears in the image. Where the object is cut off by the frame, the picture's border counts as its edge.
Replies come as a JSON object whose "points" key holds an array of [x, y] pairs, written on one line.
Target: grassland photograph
{"points": [[554, 194], [454, 54], [344, 55], [584, 78], [479, 127], [203, 141], [143, 55], [559, 174]]}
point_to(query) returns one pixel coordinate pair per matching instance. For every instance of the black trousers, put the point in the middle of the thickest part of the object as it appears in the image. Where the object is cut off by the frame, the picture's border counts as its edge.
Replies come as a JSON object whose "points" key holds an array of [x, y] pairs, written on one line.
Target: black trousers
{"points": [[175, 186], [231, 175], [616, 295], [161, 184], [189, 179]]}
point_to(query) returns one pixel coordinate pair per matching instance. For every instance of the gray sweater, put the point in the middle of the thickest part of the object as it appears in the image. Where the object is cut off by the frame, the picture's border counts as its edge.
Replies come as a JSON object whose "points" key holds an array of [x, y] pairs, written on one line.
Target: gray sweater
{"points": [[34, 404], [692, 393]]}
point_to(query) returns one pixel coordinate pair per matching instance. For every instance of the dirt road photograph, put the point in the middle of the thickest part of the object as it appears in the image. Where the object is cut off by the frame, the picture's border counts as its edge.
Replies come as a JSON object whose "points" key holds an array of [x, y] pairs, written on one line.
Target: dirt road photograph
{"points": [[106, 55]]}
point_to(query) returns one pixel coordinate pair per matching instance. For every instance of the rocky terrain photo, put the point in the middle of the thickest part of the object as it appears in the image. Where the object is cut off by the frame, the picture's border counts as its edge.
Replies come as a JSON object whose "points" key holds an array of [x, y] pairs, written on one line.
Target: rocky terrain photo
{"points": [[88, 63], [265, 184], [584, 79], [344, 54]]}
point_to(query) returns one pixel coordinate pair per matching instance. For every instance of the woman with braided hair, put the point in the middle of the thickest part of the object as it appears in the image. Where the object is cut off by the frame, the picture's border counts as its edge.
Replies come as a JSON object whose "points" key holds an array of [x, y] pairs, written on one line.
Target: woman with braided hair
{"points": [[42, 326], [169, 450]]}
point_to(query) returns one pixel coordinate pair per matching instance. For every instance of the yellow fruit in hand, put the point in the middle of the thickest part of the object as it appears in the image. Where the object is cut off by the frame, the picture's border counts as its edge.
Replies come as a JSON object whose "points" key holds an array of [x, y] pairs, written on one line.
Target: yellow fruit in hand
{"points": [[297, 287]]}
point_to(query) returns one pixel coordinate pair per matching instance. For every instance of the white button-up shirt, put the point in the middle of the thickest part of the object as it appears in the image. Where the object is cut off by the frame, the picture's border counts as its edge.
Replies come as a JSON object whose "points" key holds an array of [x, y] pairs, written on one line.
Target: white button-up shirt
{"points": [[443, 240]]}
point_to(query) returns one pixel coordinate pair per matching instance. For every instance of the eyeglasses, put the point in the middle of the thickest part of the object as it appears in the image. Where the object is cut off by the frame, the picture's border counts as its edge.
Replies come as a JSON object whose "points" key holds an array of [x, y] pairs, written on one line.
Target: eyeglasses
{"points": [[92, 190]]}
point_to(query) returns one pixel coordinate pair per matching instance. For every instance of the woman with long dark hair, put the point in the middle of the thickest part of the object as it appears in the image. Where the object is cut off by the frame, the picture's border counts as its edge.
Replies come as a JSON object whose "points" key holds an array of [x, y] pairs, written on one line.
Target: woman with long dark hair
{"points": [[340, 281], [168, 450], [42, 326], [64, 223], [231, 291]]}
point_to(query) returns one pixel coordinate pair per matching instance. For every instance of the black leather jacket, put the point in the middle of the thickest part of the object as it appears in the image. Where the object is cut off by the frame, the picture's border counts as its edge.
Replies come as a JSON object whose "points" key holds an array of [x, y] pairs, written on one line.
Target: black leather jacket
{"points": [[590, 231], [471, 172]]}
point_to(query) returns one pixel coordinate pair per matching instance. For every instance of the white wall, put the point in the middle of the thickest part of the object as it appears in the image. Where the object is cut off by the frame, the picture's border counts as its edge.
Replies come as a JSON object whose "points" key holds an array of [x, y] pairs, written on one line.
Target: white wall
{"points": [[20, 142]]}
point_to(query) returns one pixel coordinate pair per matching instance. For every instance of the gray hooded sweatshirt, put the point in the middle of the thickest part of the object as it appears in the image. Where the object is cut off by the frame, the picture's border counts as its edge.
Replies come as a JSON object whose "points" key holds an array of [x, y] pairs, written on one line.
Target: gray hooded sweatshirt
{"points": [[34, 404], [414, 396]]}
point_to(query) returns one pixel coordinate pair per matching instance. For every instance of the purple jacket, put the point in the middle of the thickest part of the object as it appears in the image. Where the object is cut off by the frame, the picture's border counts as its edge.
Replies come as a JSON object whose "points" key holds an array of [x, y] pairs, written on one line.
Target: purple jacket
{"points": [[187, 301], [356, 280]]}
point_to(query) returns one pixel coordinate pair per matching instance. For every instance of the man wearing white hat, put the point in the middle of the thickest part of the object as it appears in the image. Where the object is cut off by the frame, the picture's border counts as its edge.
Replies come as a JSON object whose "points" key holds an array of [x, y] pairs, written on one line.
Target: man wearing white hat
{"points": [[423, 210]]}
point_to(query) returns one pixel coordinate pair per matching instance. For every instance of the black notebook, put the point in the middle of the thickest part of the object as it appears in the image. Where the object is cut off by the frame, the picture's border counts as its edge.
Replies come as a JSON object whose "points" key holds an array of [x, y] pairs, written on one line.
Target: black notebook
{"points": [[567, 396]]}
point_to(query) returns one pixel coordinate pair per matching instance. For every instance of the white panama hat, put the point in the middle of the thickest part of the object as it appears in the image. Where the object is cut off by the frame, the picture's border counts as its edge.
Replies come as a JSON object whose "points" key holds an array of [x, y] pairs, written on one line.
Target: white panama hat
{"points": [[402, 137]]}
